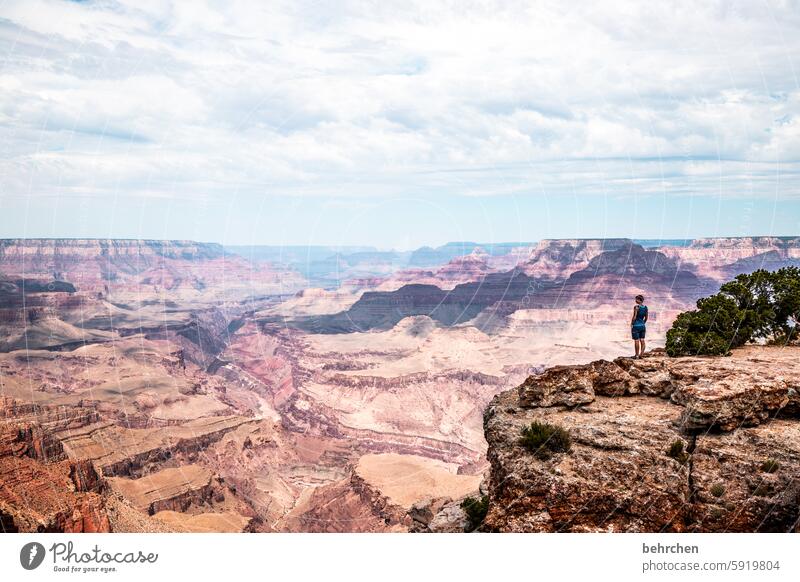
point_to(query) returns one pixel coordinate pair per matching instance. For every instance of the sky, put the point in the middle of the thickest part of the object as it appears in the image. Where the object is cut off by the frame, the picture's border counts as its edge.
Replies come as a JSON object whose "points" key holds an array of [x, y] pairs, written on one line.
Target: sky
{"points": [[398, 124]]}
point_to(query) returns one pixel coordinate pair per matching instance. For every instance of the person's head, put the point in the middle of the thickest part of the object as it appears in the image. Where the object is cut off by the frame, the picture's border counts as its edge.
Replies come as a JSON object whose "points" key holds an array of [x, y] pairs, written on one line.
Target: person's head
{"points": [[640, 299]]}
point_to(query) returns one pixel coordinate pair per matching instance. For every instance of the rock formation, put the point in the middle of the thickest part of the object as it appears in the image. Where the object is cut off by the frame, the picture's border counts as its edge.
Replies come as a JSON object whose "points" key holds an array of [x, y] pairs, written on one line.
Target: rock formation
{"points": [[40, 490], [723, 258], [462, 269], [387, 492], [172, 489], [610, 277], [657, 444], [558, 259]]}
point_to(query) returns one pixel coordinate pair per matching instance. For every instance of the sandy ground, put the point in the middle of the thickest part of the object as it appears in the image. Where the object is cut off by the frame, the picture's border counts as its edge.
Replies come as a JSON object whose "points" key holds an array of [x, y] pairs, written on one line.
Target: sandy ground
{"points": [[406, 479], [225, 522], [314, 302]]}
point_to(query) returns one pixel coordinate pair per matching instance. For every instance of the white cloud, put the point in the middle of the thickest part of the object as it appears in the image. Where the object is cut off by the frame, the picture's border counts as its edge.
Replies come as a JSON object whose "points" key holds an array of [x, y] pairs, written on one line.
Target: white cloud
{"points": [[370, 99]]}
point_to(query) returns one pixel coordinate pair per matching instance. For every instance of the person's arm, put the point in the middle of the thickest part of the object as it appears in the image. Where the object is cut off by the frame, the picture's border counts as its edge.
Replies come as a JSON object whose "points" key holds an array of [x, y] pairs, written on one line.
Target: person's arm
{"points": [[633, 317], [646, 315]]}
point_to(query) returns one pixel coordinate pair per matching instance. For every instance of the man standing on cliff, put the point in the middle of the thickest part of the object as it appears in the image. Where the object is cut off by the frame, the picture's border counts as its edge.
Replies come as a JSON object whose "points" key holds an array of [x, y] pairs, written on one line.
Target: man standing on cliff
{"points": [[638, 321]]}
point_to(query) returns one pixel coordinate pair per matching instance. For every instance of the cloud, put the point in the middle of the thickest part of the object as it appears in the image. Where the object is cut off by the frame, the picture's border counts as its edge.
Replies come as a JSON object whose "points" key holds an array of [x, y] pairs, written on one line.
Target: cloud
{"points": [[365, 99]]}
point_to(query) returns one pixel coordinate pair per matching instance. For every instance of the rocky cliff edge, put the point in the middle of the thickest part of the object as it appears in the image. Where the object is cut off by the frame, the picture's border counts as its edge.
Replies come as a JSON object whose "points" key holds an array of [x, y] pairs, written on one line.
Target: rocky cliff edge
{"points": [[658, 444]]}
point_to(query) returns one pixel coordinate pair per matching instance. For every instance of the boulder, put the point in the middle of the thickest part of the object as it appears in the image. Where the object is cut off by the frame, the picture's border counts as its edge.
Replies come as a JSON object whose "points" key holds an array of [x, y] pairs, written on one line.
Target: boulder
{"points": [[559, 386], [450, 519]]}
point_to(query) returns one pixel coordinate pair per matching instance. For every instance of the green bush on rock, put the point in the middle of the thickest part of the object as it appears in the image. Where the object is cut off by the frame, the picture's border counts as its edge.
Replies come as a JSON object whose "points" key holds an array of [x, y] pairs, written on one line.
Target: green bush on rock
{"points": [[476, 511], [770, 466], [544, 439], [677, 452]]}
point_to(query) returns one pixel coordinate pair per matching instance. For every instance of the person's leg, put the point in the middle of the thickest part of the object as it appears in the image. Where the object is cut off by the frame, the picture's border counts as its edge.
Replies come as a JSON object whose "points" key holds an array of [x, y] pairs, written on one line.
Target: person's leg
{"points": [[641, 347], [636, 348]]}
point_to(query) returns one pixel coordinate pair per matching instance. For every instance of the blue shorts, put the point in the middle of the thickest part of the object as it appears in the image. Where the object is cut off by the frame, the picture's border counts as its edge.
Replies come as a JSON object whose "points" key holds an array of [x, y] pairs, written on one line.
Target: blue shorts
{"points": [[637, 333]]}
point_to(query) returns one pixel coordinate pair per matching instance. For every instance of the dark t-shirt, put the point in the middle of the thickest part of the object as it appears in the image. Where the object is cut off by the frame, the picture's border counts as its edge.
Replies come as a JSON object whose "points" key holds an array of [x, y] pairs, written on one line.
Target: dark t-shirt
{"points": [[641, 313]]}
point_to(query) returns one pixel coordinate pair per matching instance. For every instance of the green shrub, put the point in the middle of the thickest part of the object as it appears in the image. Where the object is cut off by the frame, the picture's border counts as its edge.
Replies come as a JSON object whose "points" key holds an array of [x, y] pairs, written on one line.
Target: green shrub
{"points": [[752, 306], [718, 490], [476, 511], [712, 329], [544, 439], [763, 490], [770, 466], [677, 452]]}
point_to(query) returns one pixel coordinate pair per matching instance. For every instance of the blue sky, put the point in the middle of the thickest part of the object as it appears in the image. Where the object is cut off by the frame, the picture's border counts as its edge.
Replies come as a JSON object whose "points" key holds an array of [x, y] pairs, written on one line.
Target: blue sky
{"points": [[398, 125]]}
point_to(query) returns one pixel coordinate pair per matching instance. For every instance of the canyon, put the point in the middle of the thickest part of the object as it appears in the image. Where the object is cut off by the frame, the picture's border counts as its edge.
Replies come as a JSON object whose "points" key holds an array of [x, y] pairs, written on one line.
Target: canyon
{"points": [[183, 386]]}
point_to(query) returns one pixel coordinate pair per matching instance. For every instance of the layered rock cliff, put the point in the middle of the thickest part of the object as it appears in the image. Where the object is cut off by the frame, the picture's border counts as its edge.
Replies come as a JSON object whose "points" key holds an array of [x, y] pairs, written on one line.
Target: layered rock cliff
{"points": [[658, 444], [607, 278], [557, 259], [53, 254], [60, 472], [723, 258], [134, 271], [40, 490]]}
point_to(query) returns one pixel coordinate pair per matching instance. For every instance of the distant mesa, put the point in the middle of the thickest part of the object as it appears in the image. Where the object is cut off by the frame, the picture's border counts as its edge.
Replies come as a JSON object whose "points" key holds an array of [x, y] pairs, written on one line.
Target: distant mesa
{"points": [[626, 264]]}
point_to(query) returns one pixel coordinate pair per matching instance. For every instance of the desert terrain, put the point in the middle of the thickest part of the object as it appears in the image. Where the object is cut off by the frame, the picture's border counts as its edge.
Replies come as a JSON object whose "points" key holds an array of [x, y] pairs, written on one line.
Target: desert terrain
{"points": [[183, 386]]}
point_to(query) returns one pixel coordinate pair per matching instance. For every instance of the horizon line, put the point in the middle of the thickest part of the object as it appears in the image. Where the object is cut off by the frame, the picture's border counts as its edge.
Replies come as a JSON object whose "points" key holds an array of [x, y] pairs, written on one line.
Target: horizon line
{"points": [[5, 240]]}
